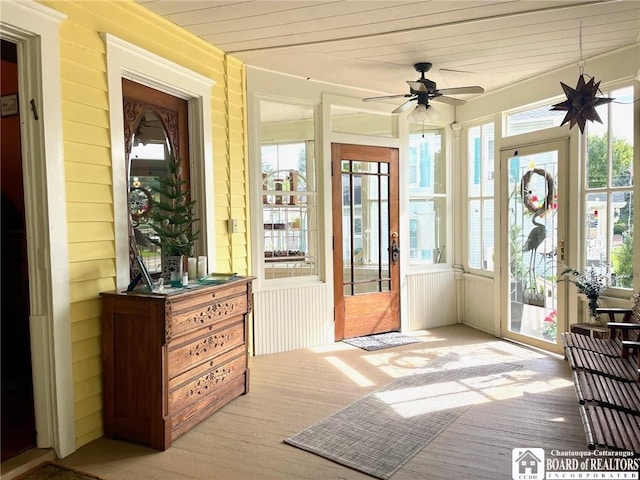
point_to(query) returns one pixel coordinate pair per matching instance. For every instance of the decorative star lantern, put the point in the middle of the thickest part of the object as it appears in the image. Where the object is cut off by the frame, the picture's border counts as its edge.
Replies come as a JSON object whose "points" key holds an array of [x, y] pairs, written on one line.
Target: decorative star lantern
{"points": [[581, 103]]}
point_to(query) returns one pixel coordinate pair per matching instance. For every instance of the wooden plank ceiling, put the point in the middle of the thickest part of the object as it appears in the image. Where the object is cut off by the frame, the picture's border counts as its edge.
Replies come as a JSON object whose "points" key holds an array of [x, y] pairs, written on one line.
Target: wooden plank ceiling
{"points": [[374, 44]]}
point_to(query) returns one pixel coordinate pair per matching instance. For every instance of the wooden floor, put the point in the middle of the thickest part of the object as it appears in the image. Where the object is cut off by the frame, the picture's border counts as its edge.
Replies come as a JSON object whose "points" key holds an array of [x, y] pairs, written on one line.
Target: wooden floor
{"points": [[291, 391]]}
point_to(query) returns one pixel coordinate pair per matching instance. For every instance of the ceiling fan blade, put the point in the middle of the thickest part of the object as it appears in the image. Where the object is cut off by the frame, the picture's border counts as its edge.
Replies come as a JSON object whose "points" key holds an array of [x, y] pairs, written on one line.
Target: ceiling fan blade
{"points": [[417, 86], [461, 90], [405, 106], [450, 100], [384, 97]]}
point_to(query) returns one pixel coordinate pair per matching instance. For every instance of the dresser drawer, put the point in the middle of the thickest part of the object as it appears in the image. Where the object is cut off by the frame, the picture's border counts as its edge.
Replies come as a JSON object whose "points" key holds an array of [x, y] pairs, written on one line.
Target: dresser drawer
{"points": [[206, 379], [194, 299], [205, 343], [195, 412], [204, 313]]}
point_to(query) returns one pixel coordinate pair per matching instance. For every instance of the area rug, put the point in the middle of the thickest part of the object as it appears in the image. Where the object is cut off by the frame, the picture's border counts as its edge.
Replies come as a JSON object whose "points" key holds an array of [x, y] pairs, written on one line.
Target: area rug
{"points": [[382, 431], [381, 340], [55, 471]]}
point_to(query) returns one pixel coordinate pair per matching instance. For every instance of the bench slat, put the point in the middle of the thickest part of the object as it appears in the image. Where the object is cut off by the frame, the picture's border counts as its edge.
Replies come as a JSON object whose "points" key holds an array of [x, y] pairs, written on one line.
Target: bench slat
{"points": [[611, 347], [607, 391], [620, 368], [609, 428]]}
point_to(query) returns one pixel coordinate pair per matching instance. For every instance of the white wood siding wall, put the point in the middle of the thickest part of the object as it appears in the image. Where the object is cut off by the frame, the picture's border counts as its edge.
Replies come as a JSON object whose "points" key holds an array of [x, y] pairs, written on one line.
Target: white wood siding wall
{"points": [[477, 310], [293, 318], [432, 300]]}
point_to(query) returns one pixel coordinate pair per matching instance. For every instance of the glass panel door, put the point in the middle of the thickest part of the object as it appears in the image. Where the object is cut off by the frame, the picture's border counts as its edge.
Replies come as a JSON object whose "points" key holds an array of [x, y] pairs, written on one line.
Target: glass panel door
{"points": [[366, 262], [533, 244]]}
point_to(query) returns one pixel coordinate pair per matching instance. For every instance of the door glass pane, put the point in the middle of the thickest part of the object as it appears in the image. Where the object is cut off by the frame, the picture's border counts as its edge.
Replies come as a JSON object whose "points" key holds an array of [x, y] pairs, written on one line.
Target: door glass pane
{"points": [[532, 245], [348, 224], [365, 228], [385, 234]]}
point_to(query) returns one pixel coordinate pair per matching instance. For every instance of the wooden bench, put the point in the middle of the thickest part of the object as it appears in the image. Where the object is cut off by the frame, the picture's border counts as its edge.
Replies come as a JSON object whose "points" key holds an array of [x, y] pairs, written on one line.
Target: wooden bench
{"points": [[627, 329], [606, 377]]}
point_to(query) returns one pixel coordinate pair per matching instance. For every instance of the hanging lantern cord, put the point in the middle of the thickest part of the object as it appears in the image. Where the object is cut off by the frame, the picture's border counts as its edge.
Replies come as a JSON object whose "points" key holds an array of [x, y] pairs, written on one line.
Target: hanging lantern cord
{"points": [[581, 62]]}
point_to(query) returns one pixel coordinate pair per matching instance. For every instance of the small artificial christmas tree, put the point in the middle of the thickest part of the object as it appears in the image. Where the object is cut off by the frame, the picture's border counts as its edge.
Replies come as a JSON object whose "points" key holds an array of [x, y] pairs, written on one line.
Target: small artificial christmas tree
{"points": [[172, 216]]}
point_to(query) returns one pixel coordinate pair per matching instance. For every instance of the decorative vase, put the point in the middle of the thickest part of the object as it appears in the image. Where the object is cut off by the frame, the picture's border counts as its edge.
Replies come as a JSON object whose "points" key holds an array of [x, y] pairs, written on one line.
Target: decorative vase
{"points": [[172, 268], [593, 314]]}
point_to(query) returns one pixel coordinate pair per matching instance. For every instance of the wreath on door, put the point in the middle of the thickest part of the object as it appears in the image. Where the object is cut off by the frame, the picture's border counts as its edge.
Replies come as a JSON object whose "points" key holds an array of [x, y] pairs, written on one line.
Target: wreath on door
{"points": [[530, 200], [140, 203]]}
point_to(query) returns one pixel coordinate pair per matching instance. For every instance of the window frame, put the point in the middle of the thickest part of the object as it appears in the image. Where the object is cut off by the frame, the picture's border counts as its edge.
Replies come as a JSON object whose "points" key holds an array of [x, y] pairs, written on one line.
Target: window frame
{"points": [[480, 196], [443, 197], [609, 189], [257, 203], [126, 60], [289, 206]]}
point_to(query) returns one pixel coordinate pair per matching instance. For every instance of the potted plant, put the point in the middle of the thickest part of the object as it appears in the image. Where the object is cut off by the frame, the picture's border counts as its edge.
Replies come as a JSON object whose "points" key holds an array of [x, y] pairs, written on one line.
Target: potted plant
{"points": [[172, 219], [591, 283]]}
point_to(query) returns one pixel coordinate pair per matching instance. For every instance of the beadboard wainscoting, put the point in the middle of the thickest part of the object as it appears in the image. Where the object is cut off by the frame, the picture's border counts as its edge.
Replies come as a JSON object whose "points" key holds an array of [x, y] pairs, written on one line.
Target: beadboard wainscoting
{"points": [[292, 318], [478, 303], [431, 300]]}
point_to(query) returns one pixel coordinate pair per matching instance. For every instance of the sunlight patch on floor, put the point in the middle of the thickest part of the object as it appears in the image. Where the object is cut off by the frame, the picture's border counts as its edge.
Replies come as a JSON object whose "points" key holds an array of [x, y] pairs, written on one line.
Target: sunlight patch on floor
{"points": [[420, 400], [398, 364], [349, 372], [423, 399]]}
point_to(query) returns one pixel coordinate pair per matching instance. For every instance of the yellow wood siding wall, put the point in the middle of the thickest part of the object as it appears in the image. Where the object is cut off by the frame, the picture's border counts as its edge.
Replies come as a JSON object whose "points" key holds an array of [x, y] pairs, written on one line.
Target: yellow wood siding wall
{"points": [[88, 173]]}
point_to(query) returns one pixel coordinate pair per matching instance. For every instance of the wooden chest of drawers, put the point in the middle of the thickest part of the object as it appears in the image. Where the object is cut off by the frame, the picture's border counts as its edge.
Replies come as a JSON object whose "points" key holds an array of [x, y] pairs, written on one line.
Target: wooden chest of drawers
{"points": [[170, 361]]}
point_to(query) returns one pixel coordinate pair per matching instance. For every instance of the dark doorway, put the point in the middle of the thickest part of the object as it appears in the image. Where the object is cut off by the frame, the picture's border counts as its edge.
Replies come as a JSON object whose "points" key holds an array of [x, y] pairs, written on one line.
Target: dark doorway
{"points": [[18, 419]]}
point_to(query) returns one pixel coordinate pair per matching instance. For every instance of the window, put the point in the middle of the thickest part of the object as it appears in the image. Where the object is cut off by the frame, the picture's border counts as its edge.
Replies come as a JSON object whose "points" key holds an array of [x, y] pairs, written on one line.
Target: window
{"points": [[480, 193], [532, 120], [427, 198], [289, 195], [608, 192]]}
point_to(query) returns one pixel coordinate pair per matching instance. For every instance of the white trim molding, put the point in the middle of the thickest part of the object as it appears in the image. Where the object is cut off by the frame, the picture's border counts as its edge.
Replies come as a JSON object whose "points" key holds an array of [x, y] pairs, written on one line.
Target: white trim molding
{"points": [[125, 60], [35, 28]]}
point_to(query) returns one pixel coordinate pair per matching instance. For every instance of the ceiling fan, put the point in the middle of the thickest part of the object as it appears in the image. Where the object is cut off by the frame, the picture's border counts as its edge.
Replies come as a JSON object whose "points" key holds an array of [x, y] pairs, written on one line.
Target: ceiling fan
{"points": [[423, 90]]}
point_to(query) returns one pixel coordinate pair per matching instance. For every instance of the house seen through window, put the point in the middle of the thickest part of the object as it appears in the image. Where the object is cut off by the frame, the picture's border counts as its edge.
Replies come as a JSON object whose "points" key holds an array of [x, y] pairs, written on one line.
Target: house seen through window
{"points": [[427, 198], [289, 210], [480, 196], [608, 193]]}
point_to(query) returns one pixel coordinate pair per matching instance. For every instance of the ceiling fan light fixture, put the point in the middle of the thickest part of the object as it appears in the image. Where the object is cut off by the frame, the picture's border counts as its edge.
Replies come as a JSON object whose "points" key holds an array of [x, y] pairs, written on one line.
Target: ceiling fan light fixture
{"points": [[423, 114]]}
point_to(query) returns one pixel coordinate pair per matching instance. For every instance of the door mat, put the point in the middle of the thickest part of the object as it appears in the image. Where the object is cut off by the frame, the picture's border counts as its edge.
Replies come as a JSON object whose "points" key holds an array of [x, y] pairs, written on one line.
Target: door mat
{"points": [[55, 471], [381, 340], [383, 430]]}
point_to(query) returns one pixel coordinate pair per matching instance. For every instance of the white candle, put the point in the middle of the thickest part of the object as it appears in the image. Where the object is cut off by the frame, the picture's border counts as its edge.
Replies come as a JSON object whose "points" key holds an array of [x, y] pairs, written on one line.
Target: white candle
{"points": [[202, 266], [192, 268]]}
